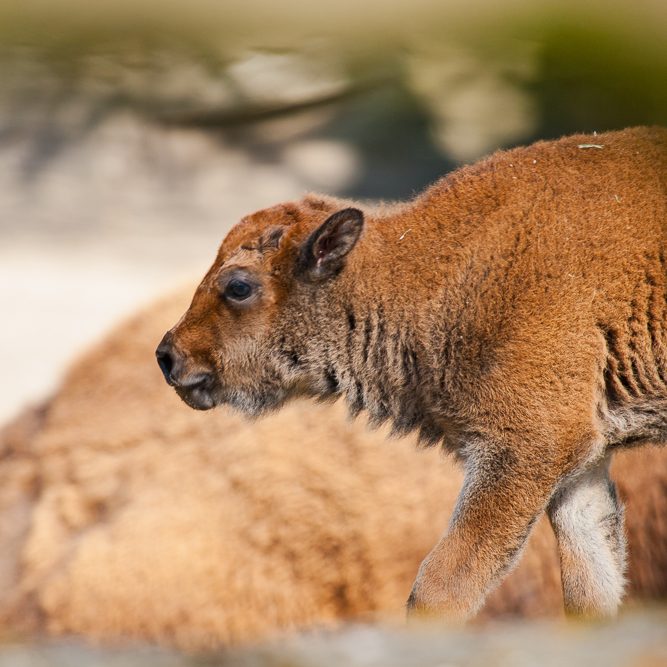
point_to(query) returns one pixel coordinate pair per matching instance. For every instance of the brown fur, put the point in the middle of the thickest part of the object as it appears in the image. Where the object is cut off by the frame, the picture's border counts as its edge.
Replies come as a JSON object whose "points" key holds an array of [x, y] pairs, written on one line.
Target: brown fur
{"points": [[515, 311], [124, 515]]}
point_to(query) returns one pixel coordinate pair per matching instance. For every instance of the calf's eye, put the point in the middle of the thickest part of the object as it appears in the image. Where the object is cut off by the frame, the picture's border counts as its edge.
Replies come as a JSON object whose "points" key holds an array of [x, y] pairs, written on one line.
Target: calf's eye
{"points": [[238, 290]]}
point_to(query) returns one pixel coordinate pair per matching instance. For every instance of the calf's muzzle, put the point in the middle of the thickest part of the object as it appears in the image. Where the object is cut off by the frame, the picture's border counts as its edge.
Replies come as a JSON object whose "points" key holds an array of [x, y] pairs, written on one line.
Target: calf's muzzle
{"points": [[175, 367]]}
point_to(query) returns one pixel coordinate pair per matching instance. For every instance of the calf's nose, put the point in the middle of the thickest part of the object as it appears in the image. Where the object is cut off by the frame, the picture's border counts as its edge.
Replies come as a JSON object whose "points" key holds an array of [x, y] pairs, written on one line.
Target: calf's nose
{"points": [[177, 369], [167, 360]]}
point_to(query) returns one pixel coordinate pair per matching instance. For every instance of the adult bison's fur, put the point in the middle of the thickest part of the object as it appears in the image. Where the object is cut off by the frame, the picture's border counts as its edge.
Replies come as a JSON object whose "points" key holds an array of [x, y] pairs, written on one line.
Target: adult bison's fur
{"points": [[124, 515], [516, 312]]}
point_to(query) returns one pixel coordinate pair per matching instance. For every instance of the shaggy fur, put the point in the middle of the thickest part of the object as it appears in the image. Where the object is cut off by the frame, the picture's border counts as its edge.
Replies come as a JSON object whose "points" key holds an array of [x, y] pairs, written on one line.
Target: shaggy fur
{"points": [[125, 515], [515, 311]]}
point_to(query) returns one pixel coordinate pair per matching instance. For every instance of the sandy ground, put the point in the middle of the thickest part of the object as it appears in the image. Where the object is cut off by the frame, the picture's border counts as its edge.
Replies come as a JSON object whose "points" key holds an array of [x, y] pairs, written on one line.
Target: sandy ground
{"points": [[95, 221], [637, 640]]}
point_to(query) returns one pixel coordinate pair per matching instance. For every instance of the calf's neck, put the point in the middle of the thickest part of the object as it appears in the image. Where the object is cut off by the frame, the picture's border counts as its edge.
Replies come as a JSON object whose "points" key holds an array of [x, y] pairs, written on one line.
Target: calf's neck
{"points": [[516, 312]]}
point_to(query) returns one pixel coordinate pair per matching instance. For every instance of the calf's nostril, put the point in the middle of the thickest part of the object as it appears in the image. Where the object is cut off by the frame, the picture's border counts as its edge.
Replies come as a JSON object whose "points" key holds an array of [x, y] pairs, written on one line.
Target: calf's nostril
{"points": [[165, 361]]}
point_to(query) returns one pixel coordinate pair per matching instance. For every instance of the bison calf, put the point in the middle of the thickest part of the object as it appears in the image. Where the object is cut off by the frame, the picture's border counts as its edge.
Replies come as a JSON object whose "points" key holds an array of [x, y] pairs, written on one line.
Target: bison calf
{"points": [[515, 312]]}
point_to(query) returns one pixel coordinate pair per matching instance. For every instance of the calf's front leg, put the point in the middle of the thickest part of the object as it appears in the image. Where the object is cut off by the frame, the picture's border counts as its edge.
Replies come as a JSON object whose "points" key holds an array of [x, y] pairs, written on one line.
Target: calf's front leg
{"points": [[500, 501], [587, 519]]}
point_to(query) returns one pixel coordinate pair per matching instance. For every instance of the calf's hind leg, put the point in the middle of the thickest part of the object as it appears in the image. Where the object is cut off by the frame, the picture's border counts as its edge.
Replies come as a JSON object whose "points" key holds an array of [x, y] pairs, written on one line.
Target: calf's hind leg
{"points": [[587, 518]]}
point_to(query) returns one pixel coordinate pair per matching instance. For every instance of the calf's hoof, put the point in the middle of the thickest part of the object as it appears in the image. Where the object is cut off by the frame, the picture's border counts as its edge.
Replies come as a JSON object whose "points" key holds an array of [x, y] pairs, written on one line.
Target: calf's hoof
{"points": [[428, 601]]}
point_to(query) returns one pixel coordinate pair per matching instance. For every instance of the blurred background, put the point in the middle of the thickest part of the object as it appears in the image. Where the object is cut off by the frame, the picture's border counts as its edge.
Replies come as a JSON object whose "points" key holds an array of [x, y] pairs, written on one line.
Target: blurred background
{"points": [[133, 134]]}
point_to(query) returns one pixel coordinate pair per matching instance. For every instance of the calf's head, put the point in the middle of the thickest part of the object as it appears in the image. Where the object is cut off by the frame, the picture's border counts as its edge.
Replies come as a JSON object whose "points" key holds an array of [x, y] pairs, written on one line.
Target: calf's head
{"points": [[248, 337]]}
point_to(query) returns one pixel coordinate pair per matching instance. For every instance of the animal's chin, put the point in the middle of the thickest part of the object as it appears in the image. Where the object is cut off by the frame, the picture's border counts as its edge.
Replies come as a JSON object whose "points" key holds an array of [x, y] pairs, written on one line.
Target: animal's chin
{"points": [[252, 405], [198, 398], [248, 402]]}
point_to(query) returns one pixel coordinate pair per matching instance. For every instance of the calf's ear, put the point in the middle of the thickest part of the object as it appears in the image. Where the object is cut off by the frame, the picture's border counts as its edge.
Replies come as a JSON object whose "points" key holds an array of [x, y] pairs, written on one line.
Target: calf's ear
{"points": [[324, 252]]}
